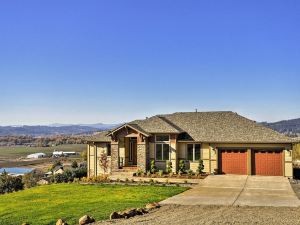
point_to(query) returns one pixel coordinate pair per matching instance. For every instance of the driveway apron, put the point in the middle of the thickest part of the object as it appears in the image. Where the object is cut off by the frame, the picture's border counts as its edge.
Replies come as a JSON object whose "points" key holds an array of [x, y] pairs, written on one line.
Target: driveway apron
{"points": [[239, 190]]}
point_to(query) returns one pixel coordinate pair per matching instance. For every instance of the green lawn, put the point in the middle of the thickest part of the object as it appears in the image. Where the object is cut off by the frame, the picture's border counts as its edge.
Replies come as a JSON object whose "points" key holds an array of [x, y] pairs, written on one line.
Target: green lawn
{"points": [[45, 204], [21, 151]]}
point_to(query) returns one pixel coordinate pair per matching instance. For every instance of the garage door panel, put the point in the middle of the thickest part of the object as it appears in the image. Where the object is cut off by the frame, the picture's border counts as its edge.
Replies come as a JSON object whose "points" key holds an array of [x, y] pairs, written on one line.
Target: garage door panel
{"points": [[233, 161], [268, 163]]}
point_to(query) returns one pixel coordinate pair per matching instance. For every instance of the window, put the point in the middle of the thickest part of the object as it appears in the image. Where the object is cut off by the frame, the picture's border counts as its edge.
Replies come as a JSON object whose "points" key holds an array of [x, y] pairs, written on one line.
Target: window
{"points": [[162, 138], [193, 152], [162, 152], [162, 147]]}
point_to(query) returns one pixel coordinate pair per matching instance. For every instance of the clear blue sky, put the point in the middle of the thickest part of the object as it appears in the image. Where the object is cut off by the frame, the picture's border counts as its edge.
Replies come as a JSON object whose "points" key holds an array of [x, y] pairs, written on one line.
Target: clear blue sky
{"points": [[114, 61]]}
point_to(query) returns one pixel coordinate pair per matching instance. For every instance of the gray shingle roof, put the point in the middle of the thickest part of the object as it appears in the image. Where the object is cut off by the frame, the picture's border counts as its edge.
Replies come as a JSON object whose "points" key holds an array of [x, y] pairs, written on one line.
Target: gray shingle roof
{"points": [[100, 137], [225, 127], [156, 124], [217, 127]]}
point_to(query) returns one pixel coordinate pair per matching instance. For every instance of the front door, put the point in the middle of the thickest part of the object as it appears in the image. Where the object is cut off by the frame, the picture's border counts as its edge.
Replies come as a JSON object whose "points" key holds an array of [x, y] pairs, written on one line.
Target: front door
{"points": [[133, 151]]}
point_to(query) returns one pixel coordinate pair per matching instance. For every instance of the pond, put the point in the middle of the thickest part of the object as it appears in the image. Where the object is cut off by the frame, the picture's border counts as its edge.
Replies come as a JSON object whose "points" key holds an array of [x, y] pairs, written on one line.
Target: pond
{"points": [[15, 170]]}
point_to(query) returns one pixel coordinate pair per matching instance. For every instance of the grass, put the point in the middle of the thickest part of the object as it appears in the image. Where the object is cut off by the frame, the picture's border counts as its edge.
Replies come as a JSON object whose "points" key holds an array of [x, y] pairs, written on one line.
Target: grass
{"points": [[21, 151], [45, 204]]}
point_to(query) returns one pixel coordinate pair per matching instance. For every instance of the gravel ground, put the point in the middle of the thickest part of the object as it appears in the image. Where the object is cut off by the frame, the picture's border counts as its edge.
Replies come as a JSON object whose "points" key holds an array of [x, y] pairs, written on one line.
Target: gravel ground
{"points": [[296, 187], [179, 215]]}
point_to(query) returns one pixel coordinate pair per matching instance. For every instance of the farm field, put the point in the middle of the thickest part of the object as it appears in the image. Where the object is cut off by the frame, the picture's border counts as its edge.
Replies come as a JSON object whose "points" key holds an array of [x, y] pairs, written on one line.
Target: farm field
{"points": [[45, 204], [17, 152], [15, 156]]}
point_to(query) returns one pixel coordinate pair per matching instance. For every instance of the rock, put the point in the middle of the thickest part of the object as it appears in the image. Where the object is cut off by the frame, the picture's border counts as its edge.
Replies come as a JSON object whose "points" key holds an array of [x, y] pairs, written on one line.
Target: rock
{"points": [[140, 211], [151, 206], [25, 224], [114, 215], [61, 222], [86, 220], [129, 213]]}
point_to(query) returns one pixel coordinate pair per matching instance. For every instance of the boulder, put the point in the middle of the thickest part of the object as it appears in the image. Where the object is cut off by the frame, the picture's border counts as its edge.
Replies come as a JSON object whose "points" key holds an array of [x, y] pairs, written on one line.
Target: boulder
{"points": [[61, 222], [114, 215], [129, 213], [151, 206], [141, 211], [86, 220]]}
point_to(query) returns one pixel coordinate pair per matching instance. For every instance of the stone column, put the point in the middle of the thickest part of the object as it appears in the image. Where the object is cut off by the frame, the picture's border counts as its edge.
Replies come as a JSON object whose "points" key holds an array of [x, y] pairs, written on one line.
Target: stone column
{"points": [[114, 156], [142, 156]]}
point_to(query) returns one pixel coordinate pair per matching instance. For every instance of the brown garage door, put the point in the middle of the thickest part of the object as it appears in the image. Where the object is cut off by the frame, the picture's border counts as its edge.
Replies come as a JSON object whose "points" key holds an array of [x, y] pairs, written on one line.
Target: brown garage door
{"points": [[267, 163], [233, 161]]}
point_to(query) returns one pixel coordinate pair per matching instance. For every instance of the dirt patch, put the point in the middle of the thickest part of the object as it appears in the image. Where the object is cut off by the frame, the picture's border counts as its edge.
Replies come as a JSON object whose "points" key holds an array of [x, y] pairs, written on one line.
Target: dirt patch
{"points": [[178, 215]]}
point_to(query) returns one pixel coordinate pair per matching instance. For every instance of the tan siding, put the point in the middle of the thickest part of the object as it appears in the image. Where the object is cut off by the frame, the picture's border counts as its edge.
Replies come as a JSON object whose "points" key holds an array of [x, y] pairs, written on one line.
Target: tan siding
{"points": [[181, 150], [194, 166], [206, 157], [151, 149]]}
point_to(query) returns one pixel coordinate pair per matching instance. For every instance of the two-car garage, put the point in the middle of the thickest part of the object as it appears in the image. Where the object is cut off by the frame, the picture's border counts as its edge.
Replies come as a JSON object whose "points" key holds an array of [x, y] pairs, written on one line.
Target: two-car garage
{"points": [[266, 162]]}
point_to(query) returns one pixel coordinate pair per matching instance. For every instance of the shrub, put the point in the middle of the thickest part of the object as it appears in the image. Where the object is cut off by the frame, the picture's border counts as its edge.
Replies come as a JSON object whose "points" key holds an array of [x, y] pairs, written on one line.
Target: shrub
{"points": [[80, 172], [148, 174], [160, 173], [30, 179], [139, 172], [190, 173], [169, 167], [103, 162], [200, 167], [181, 166], [74, 164], [152, 167], [9, 183]]}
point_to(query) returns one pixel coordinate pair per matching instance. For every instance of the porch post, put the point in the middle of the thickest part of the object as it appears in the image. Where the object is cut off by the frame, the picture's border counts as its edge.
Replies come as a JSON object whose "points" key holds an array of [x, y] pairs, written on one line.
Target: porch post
{"points": [[141, 154], [173, 152], [114, 156]]}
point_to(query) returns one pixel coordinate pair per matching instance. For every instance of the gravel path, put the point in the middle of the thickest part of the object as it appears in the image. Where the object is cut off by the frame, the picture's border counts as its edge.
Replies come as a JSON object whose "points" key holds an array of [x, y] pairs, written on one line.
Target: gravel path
{"points": [[178, 215]]}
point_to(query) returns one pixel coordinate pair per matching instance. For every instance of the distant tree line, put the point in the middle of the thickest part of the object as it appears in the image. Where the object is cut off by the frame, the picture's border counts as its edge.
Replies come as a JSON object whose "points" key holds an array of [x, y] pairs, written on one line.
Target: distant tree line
{"points": [[41, 141]]}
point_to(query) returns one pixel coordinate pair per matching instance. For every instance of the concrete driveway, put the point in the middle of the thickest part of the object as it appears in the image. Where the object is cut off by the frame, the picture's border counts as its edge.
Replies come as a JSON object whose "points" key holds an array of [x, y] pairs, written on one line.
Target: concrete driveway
{"points": [[239, 190]]}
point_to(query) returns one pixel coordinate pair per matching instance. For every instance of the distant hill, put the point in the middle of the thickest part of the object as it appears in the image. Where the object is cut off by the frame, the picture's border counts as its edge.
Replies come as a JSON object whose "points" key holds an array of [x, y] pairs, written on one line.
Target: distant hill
{"points": [[288, 127], [58, 129]]}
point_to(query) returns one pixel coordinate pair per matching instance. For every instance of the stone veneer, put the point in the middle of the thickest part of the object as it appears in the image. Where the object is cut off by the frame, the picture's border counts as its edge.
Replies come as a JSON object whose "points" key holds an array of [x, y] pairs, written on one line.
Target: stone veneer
{"points": [[114, 156], [141, 156]]}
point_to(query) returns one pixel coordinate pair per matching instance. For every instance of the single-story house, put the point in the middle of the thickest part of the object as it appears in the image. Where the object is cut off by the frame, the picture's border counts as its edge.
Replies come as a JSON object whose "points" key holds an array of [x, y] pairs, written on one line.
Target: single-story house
{"points": [[226, 142]]}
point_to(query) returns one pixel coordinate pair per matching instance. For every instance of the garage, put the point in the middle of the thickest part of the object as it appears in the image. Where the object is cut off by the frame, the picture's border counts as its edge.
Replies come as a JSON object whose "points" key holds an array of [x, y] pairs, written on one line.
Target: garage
{"points": [[233, 161], [267, 162]]}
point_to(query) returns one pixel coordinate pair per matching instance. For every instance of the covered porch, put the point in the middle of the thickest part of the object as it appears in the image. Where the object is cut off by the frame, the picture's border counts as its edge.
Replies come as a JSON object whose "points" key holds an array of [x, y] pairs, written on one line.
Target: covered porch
{"points": [[129, 149]]}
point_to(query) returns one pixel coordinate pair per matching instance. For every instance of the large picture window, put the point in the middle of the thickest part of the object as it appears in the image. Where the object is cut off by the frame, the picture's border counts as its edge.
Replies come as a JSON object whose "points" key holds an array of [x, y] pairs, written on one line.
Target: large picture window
{"points": [[162, 152], [193, 152]]}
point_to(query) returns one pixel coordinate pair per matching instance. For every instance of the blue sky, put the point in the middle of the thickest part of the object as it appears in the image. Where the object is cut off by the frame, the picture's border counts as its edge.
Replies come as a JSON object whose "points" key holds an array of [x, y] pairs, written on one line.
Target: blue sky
{"points": [[114, 61]]}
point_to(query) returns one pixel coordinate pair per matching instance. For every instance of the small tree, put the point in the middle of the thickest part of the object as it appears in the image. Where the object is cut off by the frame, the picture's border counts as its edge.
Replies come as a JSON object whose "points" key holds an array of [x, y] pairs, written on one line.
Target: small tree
{"points": [[169, 167], [152, 167], [31, 179], [181, 168], [9, 183], [74, 164], [84, 155], [200, 167], [103, 162]]}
